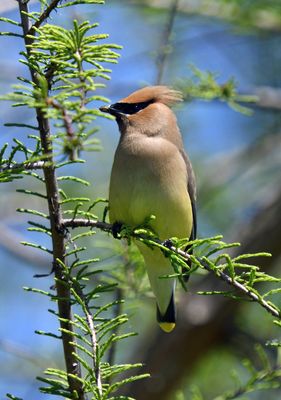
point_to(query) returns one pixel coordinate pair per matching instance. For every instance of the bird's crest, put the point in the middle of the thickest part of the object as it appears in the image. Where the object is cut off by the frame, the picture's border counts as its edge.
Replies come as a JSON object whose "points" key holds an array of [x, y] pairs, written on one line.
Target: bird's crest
{"points": [[154, 94]]}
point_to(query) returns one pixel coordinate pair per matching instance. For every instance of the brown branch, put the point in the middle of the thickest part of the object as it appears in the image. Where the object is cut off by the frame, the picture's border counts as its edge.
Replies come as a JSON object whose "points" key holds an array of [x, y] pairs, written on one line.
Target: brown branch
{"points": [[67, 121], [58, 242], [45, 15], [84, 223]]}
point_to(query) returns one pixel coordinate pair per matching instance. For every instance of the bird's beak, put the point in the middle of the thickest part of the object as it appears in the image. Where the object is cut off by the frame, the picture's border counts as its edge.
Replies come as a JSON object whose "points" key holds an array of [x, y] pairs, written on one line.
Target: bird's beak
{"points": [[105, 109], [110, 110]]}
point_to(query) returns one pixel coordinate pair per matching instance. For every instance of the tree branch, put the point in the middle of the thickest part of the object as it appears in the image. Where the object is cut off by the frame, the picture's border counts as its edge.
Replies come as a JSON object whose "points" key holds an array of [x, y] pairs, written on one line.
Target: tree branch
{"points": [[46, 13], [84, 223], [58, 242], [67, 121], [75, 223], [23, 166]]}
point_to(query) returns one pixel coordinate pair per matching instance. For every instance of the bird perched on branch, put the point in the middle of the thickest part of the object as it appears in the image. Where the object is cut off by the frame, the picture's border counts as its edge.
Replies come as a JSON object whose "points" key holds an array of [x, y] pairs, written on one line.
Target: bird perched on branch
{"points": [[152, 175]]}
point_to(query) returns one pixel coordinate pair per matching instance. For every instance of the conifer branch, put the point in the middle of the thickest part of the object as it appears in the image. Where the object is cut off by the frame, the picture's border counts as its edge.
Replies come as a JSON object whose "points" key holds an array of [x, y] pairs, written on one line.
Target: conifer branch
{"points": [[58, 242], [237, 285], [232, 281]]}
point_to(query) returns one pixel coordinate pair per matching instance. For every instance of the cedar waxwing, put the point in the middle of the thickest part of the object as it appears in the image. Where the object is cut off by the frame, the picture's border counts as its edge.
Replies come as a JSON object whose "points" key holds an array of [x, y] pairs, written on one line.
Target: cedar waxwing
{"points": [[152, 175]]}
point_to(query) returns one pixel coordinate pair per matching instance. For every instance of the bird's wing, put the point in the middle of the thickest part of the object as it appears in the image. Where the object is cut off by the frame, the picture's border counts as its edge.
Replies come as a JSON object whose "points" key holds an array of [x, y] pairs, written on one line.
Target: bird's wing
{"points": [[191, 188]]}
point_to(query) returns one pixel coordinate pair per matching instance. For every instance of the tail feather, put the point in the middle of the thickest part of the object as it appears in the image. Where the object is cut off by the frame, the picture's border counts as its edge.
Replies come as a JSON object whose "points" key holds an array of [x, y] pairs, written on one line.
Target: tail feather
{"points": [[167, 321]]}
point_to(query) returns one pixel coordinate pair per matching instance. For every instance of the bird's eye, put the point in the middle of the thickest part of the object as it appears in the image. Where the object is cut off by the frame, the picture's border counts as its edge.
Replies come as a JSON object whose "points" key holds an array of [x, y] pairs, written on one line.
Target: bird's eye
{"points": [[130, 108], [138, 107]]}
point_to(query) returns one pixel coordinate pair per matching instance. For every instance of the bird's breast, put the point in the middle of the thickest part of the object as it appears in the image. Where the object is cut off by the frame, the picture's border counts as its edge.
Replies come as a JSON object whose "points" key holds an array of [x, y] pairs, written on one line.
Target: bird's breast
{"points": [[149, 178]]}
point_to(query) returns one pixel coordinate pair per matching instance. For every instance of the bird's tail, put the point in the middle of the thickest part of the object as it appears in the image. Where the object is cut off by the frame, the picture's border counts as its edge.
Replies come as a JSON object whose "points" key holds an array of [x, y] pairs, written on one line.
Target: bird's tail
{"points": [[158, 266], [167, 321]]}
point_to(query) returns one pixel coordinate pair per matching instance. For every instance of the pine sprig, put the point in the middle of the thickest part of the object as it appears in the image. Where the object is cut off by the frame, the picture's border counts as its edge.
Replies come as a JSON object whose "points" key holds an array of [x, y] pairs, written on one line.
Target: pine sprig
{"points": [[204, 85], [94, 334], [243, 282], [63, 85]]}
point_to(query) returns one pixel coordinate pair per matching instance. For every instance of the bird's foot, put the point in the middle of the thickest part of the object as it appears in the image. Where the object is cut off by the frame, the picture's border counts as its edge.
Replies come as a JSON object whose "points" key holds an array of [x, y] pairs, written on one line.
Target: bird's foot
{"points": [[116, 229], [168, 243]]}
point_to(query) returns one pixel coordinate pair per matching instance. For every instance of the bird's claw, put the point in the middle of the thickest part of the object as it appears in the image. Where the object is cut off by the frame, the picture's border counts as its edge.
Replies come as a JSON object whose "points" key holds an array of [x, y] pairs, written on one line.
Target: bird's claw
{"points": [[116, 229], [168, 243]]}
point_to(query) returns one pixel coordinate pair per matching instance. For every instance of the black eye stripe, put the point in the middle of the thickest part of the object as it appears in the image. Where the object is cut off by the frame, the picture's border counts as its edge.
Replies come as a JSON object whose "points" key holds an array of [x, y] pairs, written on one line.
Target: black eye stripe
{"points": [[130, 108]]}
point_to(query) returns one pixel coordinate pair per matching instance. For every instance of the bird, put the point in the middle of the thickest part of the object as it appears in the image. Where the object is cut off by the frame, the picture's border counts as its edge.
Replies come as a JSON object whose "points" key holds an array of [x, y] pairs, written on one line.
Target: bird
{"points": [[152, 175]]}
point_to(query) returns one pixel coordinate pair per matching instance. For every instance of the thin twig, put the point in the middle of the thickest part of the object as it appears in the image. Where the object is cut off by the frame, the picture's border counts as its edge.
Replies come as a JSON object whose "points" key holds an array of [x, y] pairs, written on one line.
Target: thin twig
{"points": [[23, 166], [67, 121], [81, 222], [93, 335], [163, 52], [117, 311], [94, 342], [91, 325], [45, 15], [232, 282], [220, 274]]}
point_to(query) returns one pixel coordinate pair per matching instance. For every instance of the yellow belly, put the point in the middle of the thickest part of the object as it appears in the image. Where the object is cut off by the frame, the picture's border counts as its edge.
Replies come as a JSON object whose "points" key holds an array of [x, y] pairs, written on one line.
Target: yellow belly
{"points": [[141, 187]]}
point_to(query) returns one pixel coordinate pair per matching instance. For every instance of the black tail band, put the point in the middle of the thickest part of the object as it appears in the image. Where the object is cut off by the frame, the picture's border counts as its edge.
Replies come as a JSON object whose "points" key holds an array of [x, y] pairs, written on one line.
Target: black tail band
{"points": [[170, 314]]}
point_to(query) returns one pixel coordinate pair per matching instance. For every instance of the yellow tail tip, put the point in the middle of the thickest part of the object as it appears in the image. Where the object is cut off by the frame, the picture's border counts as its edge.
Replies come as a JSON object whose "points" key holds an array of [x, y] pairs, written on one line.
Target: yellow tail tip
{"points": [[167, 326]]}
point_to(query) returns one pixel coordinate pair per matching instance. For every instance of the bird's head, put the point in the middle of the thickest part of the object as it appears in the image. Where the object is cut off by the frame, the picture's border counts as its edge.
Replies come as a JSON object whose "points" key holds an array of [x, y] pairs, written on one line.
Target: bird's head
{"points": [[143, 107]]}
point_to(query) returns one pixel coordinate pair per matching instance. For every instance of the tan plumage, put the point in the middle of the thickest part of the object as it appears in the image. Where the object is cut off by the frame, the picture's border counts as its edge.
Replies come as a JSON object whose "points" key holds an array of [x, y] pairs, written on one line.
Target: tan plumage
{"points": [[152, 175]]}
